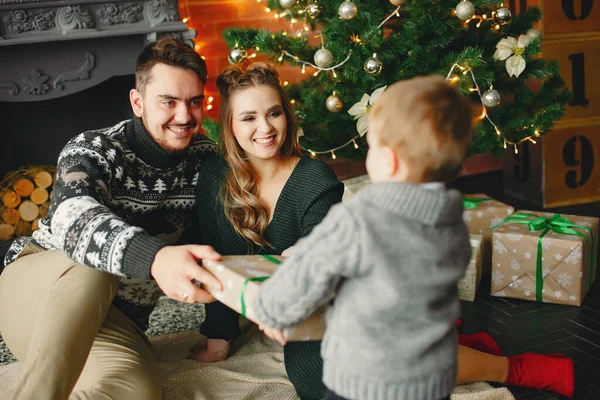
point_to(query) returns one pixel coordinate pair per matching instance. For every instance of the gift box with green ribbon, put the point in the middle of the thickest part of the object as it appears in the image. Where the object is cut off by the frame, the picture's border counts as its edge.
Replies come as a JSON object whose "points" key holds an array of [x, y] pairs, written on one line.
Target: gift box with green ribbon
{"points": [[241, 277], [544, 257], [480, 214], [468, 285]]}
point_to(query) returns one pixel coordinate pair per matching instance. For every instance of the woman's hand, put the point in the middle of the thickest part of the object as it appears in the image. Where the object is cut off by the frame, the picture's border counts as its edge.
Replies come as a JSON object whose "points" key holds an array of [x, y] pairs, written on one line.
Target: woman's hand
{"points": [[273, 333]]}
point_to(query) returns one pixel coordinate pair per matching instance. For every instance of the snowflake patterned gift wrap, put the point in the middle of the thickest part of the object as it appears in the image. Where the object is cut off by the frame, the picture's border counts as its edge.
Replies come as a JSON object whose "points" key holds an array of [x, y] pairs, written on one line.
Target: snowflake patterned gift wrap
{"points": [[241, 277], [544, 257], [467, 286], [480, 214]]}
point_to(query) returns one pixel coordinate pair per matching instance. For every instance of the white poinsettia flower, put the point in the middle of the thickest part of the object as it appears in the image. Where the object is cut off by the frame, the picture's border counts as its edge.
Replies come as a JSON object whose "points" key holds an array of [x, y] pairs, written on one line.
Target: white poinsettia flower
{"points": [[360, 110], [511, 50]]}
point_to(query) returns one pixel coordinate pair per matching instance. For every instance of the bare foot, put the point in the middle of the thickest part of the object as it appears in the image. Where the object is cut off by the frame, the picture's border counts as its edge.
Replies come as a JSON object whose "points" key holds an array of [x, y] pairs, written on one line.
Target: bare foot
{"points": [[215, 350]]}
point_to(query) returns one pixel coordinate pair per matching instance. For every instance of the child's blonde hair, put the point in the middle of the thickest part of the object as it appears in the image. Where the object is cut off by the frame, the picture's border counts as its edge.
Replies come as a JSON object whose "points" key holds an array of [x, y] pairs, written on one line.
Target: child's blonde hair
{"points": [[428, 123]]}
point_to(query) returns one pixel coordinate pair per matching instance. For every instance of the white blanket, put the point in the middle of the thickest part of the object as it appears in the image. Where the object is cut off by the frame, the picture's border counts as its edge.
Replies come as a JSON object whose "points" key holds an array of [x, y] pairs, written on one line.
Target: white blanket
{"points": [[255, 371]]}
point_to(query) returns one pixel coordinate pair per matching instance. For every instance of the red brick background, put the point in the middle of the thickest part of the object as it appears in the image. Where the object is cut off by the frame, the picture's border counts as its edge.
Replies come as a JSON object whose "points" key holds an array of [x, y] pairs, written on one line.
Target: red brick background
{"points": [[210, 17]]}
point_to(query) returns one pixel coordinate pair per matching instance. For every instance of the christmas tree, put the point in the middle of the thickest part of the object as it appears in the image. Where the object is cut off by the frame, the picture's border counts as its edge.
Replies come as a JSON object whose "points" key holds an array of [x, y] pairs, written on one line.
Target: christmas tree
{"points": [[365, 45]]}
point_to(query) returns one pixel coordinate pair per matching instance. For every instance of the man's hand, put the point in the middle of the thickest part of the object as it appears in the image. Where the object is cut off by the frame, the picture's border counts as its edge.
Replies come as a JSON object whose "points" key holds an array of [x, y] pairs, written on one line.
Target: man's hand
{"points": [[175, 267], [273, 333]]}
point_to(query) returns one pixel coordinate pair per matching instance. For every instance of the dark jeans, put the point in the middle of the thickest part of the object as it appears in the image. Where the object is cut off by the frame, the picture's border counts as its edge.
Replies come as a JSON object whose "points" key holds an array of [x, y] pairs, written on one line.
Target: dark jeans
{"points": [[330, 395]]}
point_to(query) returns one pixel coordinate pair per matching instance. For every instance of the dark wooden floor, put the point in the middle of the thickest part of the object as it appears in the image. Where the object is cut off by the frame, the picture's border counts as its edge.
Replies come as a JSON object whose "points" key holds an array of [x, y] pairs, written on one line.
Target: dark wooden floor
{"points": [[521, 326]]}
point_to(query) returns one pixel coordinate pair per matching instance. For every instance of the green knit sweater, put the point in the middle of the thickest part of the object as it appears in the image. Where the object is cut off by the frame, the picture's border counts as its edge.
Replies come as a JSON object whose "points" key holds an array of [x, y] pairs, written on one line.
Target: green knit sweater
{"points": [[307, 196]]}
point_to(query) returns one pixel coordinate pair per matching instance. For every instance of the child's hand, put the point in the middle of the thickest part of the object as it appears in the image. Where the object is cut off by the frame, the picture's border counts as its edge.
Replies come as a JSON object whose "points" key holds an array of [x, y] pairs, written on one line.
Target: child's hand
{"points": [[273, 333], [288, 252]]}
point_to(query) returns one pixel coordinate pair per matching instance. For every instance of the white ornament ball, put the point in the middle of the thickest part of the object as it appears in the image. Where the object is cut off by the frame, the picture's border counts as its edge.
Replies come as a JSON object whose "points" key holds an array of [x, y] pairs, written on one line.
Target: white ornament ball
{"points": [[465, 10], [334, 103], [347, 10], [397, 2], [373, 66], [237, 56], [287, 4], [534, 34], [491, 98], [503, 16], [323, 58], [313, 10]]}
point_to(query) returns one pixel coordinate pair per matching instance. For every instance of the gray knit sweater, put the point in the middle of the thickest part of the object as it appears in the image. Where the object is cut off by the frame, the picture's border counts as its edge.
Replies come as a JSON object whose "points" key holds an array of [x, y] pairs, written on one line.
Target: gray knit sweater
{"points": [[394, 253]]}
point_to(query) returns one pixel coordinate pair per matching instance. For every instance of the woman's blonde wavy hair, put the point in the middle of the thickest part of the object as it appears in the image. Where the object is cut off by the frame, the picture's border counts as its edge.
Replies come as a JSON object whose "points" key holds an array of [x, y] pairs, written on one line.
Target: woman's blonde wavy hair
{"points": [[240, 192]]}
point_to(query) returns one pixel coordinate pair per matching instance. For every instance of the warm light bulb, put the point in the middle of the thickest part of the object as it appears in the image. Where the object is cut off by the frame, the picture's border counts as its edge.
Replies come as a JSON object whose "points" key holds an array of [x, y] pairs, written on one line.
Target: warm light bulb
{"points": [[333, 155], [312, 153], [285, 83], [303, 68], [209, 107], [267, 9], [186, 19], [355, 144], [516, 150], [210, 99]]}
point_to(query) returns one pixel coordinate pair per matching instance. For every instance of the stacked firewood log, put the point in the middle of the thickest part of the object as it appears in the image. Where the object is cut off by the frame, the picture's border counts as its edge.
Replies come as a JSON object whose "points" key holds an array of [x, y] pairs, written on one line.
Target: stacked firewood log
{"points": [[25, 198]]}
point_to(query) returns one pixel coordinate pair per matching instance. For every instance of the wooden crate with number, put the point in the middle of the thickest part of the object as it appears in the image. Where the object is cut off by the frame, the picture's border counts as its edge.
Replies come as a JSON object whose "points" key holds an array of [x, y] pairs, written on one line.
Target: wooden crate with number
{"points": [[562, 168], [567, 17], [579, 63]]}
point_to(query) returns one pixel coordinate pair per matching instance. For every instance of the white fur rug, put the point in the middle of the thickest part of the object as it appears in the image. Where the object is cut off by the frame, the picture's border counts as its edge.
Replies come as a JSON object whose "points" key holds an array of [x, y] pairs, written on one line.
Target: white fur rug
{"points": [[255, 371]]}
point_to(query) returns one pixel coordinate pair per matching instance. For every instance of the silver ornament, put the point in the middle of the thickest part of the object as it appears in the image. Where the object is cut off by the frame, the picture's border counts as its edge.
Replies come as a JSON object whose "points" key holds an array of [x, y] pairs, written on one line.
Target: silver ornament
{"points": [[313, 10], [347, 10], [287, 4], [397, 2], [534, 34], [465, 10], [237, 56], [491, 98], [373, 65], [323, 58], [334, 103], [503, 16]]}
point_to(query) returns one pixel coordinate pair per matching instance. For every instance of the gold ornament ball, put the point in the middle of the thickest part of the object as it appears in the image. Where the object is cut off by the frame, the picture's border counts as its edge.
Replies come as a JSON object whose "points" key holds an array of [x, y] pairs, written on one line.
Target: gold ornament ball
{"points": [[465, 10], [347, 10], [287, 4], [503, 16], [313, 10], [323, 58], [334, 103], [373, 65], [397, 2], [534, 34], [237, 56], [491, 98]]}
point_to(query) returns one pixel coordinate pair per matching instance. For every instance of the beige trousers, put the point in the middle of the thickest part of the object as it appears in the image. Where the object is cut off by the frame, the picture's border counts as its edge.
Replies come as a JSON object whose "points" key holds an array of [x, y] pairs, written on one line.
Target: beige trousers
{"points": [[56, 318]]}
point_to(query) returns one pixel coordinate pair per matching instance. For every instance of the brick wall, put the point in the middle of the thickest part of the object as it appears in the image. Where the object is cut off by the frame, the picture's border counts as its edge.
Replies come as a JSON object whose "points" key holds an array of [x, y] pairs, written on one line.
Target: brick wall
{"points": [[210, 17]]}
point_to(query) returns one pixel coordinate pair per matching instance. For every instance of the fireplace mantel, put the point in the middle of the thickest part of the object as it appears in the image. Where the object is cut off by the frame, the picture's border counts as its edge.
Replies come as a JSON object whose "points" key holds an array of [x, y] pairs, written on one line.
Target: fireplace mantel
{"points": [[50, 49]]}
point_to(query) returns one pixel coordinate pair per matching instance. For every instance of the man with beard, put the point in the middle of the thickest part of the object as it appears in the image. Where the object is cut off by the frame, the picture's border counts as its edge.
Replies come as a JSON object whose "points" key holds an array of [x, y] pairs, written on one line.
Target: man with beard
{"points": [[76, 296]]}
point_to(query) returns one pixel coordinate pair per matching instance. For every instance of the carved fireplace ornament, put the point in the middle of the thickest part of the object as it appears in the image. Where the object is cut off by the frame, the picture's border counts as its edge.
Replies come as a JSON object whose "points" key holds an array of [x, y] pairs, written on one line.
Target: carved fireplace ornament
{"points": [[51, 49]]}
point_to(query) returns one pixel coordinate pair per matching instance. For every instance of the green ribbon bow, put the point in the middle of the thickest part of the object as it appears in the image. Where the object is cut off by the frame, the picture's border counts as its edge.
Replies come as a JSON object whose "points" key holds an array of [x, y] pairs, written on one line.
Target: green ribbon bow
{"points": [[557, 224], [473, 202], [254, 279]]}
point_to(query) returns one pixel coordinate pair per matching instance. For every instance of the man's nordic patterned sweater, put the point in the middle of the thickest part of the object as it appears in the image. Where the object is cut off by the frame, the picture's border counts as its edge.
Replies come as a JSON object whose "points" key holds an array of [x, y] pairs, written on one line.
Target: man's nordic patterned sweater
{"points": [[118, 199]]}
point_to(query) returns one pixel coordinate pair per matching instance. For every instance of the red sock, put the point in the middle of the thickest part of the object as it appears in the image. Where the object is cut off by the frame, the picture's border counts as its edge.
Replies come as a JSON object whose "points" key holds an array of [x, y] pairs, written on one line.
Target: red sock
{"points": [[539, 371], [480, 341]]}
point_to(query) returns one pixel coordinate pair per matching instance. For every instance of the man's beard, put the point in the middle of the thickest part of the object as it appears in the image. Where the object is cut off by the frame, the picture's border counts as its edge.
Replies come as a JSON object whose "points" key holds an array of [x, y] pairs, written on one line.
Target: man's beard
{"points": [[163, 142]]}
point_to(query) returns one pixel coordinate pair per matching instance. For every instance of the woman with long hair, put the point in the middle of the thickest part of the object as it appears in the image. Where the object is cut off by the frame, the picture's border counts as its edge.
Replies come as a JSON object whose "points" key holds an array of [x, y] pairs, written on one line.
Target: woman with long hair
{"points": [[260, 197]]}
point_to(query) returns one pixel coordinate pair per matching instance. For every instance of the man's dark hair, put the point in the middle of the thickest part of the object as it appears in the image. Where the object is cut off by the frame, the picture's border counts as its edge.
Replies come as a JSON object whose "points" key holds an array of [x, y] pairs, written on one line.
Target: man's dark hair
{"points": [[170, 52]]}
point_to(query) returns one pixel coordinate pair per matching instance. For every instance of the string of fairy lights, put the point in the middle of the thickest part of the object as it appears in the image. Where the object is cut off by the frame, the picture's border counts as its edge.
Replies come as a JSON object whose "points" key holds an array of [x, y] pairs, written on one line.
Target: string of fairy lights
{"points": [[323, 60]]}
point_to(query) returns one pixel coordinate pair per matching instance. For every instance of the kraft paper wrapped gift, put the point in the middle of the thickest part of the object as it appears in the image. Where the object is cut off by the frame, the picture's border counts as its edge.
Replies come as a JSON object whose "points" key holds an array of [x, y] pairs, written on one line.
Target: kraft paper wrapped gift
{"points": [[480, 214], [468, 285], [241, 277], [544, 257]]}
